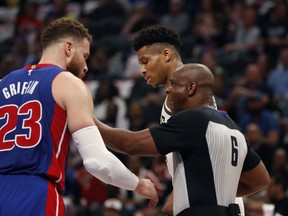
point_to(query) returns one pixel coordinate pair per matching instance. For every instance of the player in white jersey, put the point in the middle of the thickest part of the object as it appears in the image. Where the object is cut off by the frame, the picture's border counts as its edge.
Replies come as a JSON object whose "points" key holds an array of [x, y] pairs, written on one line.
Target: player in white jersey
{"points": [[158, 50], [212, 163]]}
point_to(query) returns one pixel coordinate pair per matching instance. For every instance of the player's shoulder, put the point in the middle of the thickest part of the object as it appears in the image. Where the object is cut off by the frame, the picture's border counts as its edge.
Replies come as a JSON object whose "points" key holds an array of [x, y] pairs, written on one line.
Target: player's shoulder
{"points": [[67, 79], [68, 85], [68, 89]]}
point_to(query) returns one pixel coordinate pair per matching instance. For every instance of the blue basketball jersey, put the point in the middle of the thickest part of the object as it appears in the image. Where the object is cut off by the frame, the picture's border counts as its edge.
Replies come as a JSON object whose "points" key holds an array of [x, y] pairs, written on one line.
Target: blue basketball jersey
{"points": [[34, 137]]}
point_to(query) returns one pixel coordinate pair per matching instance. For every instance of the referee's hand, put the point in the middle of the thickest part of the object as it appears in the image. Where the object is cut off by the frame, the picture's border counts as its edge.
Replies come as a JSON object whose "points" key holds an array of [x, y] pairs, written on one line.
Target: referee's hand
{"points": [[147, 189]]}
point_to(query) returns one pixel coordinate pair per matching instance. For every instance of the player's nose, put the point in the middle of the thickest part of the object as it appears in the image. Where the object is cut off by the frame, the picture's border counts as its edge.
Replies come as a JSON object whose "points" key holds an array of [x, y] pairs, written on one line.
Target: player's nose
{"points": [[143, 70]]}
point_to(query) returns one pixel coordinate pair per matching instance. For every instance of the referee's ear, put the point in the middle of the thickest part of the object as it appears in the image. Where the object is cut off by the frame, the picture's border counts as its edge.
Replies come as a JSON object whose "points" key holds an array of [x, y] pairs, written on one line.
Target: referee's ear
{"points": [[192, 87]]}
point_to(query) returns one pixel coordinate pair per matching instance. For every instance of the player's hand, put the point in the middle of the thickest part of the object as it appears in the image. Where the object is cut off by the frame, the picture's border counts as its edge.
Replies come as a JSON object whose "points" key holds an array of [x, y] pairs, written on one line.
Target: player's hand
{"points": [[147, 189]]}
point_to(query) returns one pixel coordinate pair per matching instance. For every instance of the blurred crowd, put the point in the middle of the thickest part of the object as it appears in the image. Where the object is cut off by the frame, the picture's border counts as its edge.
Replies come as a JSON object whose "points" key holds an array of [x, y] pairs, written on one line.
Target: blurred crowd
{"points": [[243, 42]]}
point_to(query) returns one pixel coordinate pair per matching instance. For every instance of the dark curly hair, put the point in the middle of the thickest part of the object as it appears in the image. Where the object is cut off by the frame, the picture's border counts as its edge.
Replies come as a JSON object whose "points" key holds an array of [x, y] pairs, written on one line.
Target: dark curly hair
{"points": [[157, 34], [62, 28]]}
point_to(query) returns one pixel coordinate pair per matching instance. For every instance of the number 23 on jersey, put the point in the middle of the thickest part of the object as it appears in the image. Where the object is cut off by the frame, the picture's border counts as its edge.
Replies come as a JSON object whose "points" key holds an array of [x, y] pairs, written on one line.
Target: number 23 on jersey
{"points": [[30, 114]]}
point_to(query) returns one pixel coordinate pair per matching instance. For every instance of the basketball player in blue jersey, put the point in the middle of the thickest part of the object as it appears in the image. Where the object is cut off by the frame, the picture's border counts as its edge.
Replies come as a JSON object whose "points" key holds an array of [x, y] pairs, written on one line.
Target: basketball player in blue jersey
{"points": [[158, 53], [213, 163], [40, 107]]}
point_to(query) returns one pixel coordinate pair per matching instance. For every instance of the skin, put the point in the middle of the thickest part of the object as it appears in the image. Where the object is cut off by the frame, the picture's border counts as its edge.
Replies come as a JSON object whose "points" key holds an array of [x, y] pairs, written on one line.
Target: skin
{"points": [[191, 86], [75, 98], [158, 62]]}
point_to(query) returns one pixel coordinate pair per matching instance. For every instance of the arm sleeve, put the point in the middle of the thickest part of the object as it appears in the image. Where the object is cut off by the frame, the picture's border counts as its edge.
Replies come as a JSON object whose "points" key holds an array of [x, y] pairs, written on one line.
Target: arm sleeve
{"points": [[100, 162]]}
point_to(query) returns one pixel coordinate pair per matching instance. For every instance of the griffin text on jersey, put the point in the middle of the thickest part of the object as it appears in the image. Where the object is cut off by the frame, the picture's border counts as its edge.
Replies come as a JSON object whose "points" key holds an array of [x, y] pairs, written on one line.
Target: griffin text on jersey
{"points": [[19, 88]]}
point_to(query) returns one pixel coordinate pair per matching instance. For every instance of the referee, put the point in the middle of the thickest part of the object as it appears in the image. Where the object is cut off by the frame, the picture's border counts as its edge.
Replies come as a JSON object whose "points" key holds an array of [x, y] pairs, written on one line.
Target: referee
{"points": [[213, 162]]}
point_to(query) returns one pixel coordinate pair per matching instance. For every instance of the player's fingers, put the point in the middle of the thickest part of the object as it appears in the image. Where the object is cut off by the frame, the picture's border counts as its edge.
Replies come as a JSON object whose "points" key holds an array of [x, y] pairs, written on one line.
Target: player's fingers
{"points": [[153, 202]]}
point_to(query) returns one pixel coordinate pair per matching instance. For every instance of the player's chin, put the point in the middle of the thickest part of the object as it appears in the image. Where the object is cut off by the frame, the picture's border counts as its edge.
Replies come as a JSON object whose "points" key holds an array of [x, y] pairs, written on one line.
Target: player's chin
{"points": [[156, 84]]}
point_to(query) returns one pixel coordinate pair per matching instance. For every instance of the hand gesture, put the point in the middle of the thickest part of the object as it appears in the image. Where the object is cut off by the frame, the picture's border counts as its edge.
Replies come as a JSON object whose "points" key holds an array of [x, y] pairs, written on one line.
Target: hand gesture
{"points": [[147, 189]]}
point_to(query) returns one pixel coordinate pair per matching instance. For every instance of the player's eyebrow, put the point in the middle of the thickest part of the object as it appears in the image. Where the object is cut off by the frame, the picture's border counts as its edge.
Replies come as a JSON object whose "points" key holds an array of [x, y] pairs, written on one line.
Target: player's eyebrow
{"points": [[140, 59]]}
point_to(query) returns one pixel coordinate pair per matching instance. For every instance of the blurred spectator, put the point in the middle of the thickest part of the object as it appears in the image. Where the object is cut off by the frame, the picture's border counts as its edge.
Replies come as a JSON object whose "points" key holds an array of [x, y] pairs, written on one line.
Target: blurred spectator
{"points": [[249, 86], [132, 69], [247, 41], [254, 205], [58, 9], [176, 18], [278, 78], [111, 114], [105, 23], [98, 64], [277, 193], [8, 15], [263, 9], [105, 62], [207, 36], [17, 58], [280, 163], [264, 65], [140, 90], [112, 207], [268, 123], [107, 99], [233, 16], [142, 16], [27, 23], [220, 89], [256, 141], [88, 185], [146, 211], [34, 53], [275, 31], [218, 9], [136, 116]]}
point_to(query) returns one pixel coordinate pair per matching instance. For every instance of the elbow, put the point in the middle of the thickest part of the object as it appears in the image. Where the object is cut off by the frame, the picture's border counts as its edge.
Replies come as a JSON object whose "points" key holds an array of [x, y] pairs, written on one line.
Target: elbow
{"points": [[266, 182], [91, 165]]}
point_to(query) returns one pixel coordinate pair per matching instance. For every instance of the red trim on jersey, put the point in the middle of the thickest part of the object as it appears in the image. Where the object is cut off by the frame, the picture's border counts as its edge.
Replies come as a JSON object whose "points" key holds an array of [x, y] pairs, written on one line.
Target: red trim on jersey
{"points": [[61, 140], [54, 202], [36, 66]]}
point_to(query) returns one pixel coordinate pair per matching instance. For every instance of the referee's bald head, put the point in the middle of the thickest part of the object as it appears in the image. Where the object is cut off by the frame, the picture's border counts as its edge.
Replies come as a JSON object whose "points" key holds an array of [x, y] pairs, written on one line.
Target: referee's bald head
{"points": [[198, 73], [191, 86]]}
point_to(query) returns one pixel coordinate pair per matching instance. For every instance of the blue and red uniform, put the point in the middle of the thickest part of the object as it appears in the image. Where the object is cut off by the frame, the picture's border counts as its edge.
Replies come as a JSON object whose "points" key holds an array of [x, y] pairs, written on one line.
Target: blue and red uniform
{"points": [[34, 143]]}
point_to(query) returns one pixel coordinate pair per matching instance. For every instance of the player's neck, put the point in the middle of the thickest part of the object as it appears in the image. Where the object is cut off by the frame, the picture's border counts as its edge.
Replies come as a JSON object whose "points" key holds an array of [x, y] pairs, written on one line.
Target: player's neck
{"points": [[49, 57], [173, 66]]}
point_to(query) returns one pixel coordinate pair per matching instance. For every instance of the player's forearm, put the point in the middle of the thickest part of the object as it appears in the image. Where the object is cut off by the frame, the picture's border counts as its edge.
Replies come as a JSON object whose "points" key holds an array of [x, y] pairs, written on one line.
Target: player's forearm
{"points": [[114, 138], [138, 143]]}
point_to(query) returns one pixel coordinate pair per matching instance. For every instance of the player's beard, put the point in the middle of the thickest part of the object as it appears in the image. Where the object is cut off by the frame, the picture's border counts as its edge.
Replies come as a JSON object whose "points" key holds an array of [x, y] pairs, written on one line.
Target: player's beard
{"points": [[75, 68]]}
